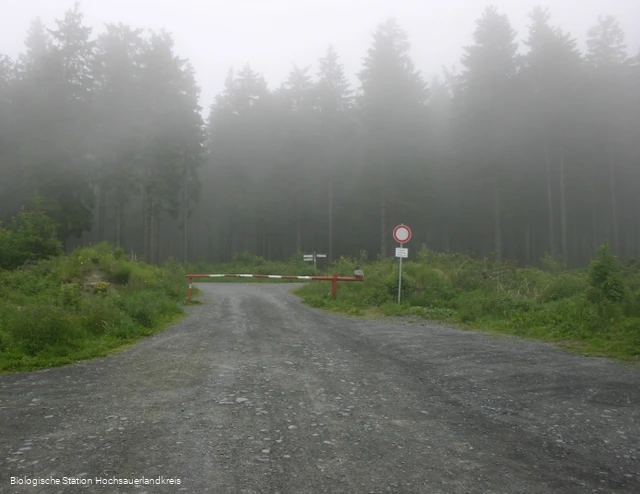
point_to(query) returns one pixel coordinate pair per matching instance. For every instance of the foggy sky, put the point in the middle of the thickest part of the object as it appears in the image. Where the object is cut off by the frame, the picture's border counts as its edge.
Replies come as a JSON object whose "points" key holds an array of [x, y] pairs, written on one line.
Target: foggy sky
{"points": [[274, 34]]}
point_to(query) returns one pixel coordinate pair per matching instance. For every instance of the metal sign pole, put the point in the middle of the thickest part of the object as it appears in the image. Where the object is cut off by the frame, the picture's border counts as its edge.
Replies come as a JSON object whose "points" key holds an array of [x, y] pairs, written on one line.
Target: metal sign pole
{"points": [[315, 265], [400, 278], [401, 234]]}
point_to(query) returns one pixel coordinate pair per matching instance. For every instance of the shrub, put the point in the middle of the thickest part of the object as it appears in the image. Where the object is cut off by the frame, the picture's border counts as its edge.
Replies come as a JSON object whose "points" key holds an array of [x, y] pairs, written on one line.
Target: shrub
{"points": [[71, 295], [147, 307], [35, 327], [120, 273], [98, 315], [119, 253], [427, 286], [562, 287], [30, 237], [605, 278], [550, 264]]}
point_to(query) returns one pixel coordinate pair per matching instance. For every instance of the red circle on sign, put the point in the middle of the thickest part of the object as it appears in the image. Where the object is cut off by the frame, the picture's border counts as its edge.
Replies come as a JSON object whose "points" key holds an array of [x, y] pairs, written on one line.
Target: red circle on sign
{"points": [[402, 234]]}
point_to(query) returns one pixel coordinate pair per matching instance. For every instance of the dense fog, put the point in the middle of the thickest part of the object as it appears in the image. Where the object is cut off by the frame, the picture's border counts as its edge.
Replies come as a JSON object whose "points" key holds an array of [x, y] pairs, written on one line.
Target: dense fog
{"points": [[522, 151]]}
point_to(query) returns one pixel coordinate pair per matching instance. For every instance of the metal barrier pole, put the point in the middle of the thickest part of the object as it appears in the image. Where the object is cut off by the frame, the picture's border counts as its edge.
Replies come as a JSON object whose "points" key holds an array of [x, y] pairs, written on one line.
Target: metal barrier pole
{"points": [[334, 279]]}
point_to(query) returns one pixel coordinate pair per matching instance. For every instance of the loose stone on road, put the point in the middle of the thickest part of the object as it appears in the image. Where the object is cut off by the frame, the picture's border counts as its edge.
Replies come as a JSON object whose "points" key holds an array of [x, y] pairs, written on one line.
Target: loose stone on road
{"points": [[255, 393]]}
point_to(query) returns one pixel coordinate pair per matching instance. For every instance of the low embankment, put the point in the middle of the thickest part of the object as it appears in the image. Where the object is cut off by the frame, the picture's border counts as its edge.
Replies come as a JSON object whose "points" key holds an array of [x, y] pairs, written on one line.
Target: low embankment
{"points": [[95, 301], [83, 305], [594, 311]]}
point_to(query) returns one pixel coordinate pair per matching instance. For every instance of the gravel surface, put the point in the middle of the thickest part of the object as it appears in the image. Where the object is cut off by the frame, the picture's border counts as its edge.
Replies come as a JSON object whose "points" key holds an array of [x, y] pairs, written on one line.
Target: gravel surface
{"points": [[255, 393]]}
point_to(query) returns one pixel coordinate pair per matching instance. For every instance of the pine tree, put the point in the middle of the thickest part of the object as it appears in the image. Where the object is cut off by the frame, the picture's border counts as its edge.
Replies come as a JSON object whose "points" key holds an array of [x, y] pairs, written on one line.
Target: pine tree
{"points": [[9, 170], [552, 70], [487, 99], [53, 89], [393, 94], [117, 122], [608, 63], [172, 138], [334, 107]]}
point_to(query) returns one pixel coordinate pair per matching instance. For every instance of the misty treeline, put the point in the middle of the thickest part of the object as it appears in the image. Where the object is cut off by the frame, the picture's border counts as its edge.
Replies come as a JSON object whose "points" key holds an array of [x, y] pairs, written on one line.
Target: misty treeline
{"points": [[526, 150]]}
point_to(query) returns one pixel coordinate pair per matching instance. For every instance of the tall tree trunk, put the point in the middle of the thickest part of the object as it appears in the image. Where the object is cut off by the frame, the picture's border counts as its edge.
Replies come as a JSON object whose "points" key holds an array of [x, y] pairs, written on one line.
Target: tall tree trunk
{"points": [[497, 220], [185, 208], [615, 246], [563, 211], [552, 237], [156, 239], [298, 224], [594, 221], [146, 224], [102, 211], [152, 231], [383, 224], [330, 220], [118, 223]]}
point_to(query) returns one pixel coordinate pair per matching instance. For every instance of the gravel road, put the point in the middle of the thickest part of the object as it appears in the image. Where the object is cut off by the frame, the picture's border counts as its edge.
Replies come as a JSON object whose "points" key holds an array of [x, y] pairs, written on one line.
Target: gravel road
{"points": [[255, 393]]}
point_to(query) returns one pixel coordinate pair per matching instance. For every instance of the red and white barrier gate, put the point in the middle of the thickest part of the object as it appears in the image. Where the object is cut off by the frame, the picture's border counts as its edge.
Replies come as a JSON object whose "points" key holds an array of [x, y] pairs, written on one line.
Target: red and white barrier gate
{"points": [[334, 279]]}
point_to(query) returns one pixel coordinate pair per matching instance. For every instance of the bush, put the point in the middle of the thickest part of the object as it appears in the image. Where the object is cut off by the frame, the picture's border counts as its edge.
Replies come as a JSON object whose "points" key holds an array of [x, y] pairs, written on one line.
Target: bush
{"points": [[598, 307], [426, 286], [120, 273], [56, 311], [605, 278], [119, 253], [147, 307], [35, 327], [71, 296], [562, 287], [30, 237]]}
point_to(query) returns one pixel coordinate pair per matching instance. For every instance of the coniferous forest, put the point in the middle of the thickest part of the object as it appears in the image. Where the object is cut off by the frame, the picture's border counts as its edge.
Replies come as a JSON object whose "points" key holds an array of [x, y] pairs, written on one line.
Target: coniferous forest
{"points": [[524, 150]]}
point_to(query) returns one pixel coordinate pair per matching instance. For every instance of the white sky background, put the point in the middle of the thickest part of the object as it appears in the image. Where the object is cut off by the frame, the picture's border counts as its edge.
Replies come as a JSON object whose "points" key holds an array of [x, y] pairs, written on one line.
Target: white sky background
{"points": [[274, 34]]}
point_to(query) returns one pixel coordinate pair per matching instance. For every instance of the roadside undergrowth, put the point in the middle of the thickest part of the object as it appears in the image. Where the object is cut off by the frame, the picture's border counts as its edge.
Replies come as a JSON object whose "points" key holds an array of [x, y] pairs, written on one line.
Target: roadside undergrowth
{"points": [[83, 305], [594, 311]]}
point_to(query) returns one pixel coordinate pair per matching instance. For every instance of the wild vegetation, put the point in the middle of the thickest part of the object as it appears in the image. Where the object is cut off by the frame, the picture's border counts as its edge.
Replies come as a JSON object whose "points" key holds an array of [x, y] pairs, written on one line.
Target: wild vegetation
{"points": [[58, 309], [595, 311]]}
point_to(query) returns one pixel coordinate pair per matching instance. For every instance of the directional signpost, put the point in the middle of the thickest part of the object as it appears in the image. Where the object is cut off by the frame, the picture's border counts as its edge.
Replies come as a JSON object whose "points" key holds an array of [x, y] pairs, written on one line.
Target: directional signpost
{"points": [[313, 257], [401, 234]]}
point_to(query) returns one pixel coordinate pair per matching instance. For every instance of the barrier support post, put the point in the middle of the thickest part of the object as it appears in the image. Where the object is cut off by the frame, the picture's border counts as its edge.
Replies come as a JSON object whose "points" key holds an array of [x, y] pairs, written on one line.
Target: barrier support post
{"points": [[190, 287], [334, 285]]}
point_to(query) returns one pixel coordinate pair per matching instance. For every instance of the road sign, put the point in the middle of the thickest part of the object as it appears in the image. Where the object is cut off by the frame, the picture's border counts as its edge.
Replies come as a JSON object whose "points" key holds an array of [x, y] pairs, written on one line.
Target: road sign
{"points": [[402, 234]]}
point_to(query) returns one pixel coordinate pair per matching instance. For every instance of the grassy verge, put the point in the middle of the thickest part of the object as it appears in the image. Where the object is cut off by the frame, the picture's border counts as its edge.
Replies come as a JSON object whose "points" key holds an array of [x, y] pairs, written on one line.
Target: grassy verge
{"points": [[83, 305], [593, 312]]}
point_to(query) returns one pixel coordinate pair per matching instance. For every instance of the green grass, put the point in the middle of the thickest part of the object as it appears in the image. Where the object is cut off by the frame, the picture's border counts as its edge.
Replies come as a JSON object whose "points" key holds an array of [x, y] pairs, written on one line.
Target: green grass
{"points": [[93, 302], [500, 297], [87, 304]]}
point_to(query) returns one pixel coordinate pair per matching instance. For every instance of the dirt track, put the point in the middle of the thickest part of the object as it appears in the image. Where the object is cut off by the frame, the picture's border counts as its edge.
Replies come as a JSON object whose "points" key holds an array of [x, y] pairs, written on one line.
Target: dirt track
{"points": [[255, 393]]}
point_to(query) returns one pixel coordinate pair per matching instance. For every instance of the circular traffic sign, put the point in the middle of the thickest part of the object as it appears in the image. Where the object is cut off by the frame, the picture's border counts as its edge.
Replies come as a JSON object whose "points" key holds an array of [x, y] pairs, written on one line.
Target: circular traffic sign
{"points": [[402, 234]]}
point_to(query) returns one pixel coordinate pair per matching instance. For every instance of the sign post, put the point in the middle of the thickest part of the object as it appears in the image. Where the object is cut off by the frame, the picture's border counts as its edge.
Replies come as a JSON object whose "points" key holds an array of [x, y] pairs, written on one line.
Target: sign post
{"points": [[313, 257], [401, 234]]}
